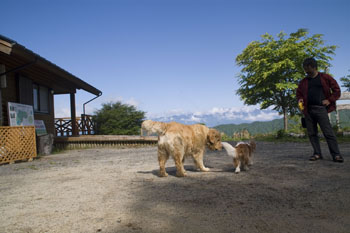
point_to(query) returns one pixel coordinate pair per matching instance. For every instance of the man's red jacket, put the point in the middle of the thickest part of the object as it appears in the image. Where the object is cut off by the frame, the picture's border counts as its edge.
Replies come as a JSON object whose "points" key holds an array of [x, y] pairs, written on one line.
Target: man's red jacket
{"points": [[331, 91]]}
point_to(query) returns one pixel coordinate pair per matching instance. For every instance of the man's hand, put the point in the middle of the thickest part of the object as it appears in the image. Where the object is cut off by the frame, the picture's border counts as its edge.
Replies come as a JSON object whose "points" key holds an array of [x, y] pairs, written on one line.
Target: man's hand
{"points": [[326, 102], [301, 104]]}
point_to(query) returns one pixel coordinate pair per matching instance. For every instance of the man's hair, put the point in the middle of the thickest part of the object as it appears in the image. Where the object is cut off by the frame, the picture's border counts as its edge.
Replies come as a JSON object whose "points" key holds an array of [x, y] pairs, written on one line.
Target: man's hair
{"points": [[310, 62]]}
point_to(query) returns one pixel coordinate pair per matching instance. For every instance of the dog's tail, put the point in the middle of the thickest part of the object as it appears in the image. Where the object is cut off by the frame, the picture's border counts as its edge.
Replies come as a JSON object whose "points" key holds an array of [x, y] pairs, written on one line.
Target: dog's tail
{"points": [[154, 127], [231, 151]]}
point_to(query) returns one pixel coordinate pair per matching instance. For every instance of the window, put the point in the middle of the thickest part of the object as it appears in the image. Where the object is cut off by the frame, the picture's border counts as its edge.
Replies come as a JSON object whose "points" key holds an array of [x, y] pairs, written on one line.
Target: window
{"points": [[44, 99], [25, 90], [36, 97], [40, 99]]}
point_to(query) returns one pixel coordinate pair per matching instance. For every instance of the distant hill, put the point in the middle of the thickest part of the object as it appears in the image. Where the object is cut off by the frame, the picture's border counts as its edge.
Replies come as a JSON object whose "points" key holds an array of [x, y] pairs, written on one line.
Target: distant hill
{"points": [[263, 127], [257, 127]]}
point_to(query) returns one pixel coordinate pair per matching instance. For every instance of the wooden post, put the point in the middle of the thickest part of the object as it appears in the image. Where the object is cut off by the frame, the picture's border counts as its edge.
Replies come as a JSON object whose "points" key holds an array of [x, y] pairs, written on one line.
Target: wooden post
{"points": [[2, 85], [73, 115], [0, 109], [337, 122]]}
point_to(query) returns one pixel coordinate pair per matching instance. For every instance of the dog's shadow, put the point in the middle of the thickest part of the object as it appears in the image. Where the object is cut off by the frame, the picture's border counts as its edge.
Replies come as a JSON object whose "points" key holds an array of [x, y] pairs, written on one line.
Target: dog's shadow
{"points": [[172, 170]]}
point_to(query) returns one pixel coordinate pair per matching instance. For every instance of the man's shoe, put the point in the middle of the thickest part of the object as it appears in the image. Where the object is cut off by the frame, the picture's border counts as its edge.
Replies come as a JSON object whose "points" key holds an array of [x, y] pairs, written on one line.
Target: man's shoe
{"points": [[315, 157], [338, 158]]}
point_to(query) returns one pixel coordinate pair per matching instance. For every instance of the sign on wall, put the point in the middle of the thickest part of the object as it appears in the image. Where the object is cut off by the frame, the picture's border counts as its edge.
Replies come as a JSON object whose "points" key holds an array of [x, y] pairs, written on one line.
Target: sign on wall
{"points": [[20, 114], [40, 128]]}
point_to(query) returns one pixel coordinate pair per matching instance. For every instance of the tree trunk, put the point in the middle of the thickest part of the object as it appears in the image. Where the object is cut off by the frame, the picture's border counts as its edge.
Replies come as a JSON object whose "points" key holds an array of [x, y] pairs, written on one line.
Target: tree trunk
{"points": [[285, 119]]}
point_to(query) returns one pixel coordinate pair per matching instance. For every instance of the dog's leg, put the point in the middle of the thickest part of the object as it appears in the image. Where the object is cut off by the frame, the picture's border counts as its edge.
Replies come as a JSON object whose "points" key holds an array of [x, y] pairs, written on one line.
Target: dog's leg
{"points": [[180, 170], [237, 165], [250, 161], [162, 158], [198, 160], [245, 163], [245, 167]]}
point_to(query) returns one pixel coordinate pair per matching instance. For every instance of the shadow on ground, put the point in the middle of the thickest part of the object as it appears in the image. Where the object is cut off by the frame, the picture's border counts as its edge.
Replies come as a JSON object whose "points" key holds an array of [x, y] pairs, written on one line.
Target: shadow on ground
{"points": [[282, 192]]}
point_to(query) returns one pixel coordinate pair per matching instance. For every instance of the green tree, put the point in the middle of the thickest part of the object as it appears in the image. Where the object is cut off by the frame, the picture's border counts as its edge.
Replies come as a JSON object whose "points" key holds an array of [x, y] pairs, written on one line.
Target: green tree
{"points": [[346, 82], [118, 119], [272, 69]]}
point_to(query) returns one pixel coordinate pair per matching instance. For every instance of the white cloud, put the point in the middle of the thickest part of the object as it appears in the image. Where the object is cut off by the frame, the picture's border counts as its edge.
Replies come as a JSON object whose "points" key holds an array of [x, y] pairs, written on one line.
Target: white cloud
{"points": [[217, 115], [108, 99], [195, 119], [170, 113], [62, 112], [132, 101], [263, 116], [233, 110]]}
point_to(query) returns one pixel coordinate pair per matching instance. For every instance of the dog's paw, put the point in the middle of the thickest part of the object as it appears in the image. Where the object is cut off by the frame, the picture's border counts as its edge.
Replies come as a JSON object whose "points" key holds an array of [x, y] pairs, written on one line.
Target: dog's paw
{"points": [[205, 169], [237, 170], [163, 174], [180, 174]]}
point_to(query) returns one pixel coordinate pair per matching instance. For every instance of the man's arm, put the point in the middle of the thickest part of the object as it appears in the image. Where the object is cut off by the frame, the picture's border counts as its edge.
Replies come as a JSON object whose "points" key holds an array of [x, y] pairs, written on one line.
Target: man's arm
{"points": [[333, 85]]}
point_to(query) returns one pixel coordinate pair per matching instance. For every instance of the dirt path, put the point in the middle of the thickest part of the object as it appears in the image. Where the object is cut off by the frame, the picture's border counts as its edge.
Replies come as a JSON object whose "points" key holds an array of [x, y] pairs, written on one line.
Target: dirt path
{"points": [[118, 190]]}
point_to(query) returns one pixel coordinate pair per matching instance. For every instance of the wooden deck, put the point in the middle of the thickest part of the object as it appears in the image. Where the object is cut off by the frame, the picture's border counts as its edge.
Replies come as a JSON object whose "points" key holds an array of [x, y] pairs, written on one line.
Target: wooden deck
{"points": [[96, 141]]}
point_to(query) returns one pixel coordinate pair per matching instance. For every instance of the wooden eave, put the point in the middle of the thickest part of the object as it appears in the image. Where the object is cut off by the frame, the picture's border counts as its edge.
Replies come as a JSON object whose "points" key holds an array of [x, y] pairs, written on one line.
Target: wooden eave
{"points": [[5, 47], [42, 71]]}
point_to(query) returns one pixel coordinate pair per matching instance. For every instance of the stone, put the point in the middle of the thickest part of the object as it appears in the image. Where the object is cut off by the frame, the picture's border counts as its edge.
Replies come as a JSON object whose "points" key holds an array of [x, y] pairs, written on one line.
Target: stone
{"points": [[45, 144]]}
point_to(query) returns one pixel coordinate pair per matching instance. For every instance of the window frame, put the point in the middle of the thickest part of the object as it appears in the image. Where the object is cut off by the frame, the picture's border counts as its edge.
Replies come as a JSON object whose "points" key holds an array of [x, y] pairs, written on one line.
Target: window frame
{"points": [[38, 99]]}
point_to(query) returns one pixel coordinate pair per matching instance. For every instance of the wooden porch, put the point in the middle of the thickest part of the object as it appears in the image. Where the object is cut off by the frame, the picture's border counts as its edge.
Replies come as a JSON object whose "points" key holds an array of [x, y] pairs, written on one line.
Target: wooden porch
{"points": [[84, 125], [98, 141]]}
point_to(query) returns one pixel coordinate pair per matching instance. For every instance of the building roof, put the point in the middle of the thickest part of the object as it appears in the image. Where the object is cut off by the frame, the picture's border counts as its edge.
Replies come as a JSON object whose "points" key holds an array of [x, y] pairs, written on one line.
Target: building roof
{"points": [[14, 50]]}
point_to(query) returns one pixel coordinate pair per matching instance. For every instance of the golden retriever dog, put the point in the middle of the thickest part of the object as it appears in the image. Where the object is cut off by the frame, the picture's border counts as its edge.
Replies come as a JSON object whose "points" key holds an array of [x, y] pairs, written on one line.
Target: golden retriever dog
{"points": [[180, 141], [242, 154], [153, 127]]}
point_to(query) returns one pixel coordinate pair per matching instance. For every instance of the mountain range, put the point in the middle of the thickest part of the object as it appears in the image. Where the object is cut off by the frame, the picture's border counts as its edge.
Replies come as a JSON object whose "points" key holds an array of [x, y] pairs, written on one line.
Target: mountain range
{"points": [[219, 116], [255, 121]]}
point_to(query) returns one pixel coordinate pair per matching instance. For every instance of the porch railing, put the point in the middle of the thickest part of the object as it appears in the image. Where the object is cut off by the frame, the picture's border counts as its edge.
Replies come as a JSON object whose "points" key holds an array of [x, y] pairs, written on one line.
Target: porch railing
{"points": [[84, 124]]}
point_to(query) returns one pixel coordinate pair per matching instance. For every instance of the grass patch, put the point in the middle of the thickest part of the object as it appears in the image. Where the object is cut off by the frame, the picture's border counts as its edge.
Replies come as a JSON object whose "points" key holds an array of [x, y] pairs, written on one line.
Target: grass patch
{"points": [[343, 139], [56, 150], [285, 137], [33, 167], [281, 136]]}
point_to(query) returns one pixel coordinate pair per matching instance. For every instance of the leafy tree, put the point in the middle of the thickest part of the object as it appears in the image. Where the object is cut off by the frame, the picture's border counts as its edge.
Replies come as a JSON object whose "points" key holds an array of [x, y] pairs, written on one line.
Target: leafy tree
{"points": [[346, 82], [272, 69], [118, 119]]}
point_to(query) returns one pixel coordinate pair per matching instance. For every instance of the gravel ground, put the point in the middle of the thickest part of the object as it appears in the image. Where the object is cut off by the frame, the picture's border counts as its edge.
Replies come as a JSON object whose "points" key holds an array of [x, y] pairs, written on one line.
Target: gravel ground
{"points": [[118, 190]]}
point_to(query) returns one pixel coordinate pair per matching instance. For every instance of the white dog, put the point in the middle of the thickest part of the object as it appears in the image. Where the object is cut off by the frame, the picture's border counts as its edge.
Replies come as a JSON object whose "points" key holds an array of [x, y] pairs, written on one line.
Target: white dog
{"points": [[241, 154]]}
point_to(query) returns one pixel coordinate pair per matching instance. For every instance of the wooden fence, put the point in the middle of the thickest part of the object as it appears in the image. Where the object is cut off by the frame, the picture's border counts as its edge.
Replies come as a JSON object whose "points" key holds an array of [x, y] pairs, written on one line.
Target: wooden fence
{"points": [[344, 96], [84, 124], [17, 143]]}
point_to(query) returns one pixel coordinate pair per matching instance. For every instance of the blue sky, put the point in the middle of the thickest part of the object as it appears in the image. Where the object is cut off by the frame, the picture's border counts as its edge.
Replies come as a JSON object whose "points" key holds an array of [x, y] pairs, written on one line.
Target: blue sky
{"points": [[165, 56]]}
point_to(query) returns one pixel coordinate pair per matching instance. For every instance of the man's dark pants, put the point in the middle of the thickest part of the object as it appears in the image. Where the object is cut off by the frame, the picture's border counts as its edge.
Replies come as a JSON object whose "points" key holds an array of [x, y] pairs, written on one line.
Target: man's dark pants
{"points": [[319, 115]]}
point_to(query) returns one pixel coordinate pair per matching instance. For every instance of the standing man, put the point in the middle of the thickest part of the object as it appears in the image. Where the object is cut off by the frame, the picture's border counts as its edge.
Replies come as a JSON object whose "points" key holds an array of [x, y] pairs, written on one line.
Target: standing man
{"points": [[318, 93]]}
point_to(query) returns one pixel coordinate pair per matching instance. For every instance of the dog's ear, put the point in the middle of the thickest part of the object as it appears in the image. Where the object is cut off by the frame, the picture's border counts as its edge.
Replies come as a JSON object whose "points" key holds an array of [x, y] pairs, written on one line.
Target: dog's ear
{"points": [[213, 136], [252, 144], [214, 140]]}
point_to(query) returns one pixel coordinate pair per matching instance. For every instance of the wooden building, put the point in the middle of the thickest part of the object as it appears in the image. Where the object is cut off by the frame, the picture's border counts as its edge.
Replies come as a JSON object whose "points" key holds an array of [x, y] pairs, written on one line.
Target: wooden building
{"points": [[27, 78]]}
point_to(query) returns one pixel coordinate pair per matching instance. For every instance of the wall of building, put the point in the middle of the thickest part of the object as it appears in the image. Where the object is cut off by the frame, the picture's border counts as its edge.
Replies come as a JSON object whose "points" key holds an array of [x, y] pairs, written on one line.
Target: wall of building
{"points": [[11, 94], [49, 119]]}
